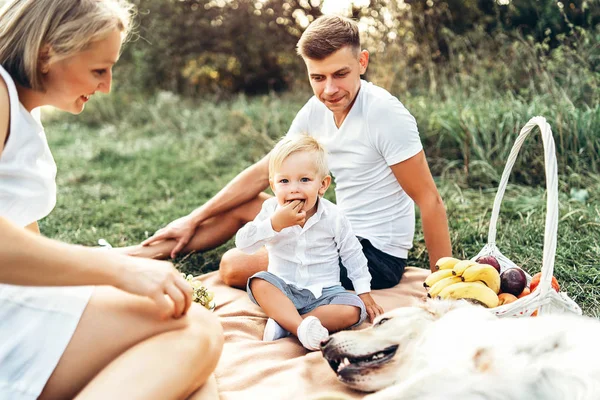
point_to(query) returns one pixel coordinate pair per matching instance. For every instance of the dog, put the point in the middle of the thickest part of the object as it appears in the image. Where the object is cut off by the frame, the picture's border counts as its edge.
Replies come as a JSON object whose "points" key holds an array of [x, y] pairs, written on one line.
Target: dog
{"points": [[445, 350]]}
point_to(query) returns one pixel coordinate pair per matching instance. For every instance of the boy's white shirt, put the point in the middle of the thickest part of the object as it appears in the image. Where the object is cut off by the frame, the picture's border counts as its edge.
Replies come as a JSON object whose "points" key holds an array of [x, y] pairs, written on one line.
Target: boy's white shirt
{"points": [[378, 132], [308, 257]]}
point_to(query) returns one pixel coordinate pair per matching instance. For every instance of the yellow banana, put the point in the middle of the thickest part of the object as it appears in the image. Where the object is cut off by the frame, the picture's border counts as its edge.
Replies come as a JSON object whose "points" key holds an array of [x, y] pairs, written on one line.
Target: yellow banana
{"points": [[441, 284], [436, 276], [485, 273], [461, 266], [472, 291], [446, 263]]}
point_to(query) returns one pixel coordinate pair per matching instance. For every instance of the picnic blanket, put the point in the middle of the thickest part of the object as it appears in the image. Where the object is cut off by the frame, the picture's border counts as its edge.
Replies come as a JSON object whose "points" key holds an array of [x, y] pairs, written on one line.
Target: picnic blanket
{"points": [[252, 369]]}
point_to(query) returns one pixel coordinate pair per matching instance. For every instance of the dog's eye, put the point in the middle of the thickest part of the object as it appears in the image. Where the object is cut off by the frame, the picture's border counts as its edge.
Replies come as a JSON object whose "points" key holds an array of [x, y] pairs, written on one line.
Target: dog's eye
{"points": [[382, 321]]}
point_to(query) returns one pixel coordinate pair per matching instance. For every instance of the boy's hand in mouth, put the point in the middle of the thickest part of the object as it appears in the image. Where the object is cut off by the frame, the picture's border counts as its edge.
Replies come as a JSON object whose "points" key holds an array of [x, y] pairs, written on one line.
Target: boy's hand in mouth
{"points": [[289, 214]]}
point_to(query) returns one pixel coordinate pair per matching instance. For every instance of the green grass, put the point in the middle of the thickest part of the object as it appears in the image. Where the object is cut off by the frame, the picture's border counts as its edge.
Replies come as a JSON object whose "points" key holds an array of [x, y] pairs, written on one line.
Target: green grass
{"points": [[159, 158]]}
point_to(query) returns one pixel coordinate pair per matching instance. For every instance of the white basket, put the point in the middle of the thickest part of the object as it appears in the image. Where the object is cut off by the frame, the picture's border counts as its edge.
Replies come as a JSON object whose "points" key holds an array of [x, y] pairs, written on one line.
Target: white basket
{"points": [[544, 299]]}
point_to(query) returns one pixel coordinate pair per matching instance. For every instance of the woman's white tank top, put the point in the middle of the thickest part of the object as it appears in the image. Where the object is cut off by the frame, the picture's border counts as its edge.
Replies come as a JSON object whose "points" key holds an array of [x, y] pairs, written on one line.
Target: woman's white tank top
{"points": [[27, 168]]}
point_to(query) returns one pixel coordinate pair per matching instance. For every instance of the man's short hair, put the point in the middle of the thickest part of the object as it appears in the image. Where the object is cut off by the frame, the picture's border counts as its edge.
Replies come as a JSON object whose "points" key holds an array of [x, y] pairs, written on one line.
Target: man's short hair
{"points": [[294, 144], [326, 35]]}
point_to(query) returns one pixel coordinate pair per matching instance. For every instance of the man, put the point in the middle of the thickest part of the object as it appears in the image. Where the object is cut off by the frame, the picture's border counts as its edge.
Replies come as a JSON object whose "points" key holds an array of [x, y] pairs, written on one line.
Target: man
{"points": [[375, 154]]}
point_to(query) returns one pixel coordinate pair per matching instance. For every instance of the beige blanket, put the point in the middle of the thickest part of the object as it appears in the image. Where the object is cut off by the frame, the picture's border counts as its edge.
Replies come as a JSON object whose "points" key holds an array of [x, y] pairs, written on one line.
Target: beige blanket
{"points": [[252, 369]]}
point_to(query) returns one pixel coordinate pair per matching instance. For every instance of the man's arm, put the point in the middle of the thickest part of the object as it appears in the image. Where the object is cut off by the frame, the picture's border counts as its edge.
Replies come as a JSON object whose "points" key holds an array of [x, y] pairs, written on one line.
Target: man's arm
{"points": [[415, 178], [244, 187]]}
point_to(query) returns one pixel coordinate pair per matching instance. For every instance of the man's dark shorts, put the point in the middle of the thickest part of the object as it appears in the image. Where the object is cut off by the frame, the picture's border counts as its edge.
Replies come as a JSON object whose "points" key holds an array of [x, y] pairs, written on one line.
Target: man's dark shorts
{"points": [[386, 270]]}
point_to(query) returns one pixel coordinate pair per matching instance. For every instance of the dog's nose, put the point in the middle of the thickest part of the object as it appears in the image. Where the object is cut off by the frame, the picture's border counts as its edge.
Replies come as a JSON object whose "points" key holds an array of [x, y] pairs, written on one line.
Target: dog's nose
{"points": [[324, 342]]}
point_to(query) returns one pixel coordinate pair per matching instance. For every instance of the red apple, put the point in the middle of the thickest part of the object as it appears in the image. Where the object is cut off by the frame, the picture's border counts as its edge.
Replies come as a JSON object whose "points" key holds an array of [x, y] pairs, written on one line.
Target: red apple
{"points": [[490, 260]]}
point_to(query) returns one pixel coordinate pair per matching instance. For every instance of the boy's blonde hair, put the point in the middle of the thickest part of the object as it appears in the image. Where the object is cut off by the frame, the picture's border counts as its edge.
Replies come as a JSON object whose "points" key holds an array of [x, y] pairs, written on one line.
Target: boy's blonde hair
{"points": [[326, 35], [294, 144], [66, 27]]}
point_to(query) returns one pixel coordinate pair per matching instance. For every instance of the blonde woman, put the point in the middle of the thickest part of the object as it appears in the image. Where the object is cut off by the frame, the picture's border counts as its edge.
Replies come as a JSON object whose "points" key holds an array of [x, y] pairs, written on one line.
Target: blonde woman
{"points": [[134, 335]]}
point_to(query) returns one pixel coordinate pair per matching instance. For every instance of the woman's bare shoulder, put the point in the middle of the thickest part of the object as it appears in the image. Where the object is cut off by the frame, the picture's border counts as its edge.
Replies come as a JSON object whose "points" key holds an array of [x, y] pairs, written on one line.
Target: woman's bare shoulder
{"points": [[4, 113]]}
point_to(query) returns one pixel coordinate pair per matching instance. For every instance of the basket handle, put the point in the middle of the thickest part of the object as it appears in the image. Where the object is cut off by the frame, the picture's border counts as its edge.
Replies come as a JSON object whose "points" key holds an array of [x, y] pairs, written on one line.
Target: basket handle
{"points": [[551, 229]]}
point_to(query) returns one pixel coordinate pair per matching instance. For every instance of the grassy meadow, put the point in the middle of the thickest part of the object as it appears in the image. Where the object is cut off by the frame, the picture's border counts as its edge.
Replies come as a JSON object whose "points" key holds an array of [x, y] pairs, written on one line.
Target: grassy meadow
{"points": [[129, 165]]}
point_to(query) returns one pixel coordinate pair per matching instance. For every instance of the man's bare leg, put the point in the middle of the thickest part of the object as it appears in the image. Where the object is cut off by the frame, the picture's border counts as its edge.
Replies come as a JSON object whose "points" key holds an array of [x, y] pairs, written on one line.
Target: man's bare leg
{"points": [[236, 266], [211, 233]]}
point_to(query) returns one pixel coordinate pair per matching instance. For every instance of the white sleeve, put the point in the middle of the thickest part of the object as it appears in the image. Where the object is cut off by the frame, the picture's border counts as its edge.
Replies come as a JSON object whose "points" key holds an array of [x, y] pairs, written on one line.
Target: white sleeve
{"points": [[393, 131], [300, 124], [352, 256], [255, 234]]}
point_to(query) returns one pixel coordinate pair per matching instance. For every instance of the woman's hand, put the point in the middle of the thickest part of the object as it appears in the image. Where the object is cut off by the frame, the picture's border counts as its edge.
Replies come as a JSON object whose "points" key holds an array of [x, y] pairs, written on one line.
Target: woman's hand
{"points": [[181, 230], [157, 280]]}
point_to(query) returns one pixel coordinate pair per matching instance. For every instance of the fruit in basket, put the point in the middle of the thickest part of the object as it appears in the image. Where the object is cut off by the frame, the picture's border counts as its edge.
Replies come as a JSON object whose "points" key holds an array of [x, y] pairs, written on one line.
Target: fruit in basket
{"points": [[440, 285], [513, 281], [535, 281], [474, 291], [485, 273], [524, 293], [490, 260], [437, 276], [506, 298], [446, 263], [461, 266]]}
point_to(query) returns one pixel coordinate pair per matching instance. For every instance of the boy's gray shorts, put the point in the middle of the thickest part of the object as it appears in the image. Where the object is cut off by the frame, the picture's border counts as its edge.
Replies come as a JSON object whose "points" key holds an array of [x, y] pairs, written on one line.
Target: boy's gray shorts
{"points": [[305, 301]]}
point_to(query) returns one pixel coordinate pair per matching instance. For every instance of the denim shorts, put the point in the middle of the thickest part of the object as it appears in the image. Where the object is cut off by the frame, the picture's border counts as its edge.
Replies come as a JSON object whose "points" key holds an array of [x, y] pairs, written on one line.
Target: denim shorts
{"points": [[386, 270], [305, 301]]}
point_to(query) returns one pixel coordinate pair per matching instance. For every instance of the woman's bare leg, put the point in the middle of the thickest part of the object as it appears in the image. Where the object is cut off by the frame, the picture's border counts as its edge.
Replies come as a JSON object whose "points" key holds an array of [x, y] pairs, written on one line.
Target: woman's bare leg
{"points": [[208, 391], [237, 267], [211, 233], [121, 349]]}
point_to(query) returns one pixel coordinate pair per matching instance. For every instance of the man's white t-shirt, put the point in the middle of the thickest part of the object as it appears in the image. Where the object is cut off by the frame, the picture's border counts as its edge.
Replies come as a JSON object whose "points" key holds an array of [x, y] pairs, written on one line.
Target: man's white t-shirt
{"points": [[377, 133]]}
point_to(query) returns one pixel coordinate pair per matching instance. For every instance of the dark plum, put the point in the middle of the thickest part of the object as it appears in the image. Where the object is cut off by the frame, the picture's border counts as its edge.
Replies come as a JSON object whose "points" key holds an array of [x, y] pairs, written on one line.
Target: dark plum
{"points": [[513, 281], [490, 260]]}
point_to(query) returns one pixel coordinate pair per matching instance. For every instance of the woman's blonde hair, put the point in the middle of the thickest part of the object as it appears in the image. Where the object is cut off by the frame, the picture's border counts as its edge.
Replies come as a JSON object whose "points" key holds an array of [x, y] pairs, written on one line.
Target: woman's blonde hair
{"points": [[62, 27], [294, 144]]}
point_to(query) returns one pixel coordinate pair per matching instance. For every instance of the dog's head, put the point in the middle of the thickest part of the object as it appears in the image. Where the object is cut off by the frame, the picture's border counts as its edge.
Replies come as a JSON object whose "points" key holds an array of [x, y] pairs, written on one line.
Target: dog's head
{"points": [[370, 359]]}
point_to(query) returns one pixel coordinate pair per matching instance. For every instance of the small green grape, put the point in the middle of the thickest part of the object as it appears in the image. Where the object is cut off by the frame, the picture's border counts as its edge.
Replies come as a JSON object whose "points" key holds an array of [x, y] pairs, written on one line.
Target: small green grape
{"points": [[201, 294]]}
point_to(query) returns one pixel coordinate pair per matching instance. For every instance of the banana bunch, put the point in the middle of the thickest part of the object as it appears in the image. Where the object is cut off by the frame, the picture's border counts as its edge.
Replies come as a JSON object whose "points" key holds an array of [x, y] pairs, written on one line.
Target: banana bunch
{"points": [[464, 279]]}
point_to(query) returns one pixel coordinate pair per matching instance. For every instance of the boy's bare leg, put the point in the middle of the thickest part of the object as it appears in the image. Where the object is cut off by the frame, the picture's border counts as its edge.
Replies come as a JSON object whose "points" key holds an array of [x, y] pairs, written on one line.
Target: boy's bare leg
{"points": [[276, 305], [237, 267], [211, 233], [336, 317]]}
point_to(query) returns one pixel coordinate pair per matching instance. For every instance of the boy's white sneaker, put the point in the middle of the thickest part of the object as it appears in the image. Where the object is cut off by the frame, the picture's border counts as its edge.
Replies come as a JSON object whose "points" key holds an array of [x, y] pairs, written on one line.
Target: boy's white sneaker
{"points": [[311, 333], [274, 331]]}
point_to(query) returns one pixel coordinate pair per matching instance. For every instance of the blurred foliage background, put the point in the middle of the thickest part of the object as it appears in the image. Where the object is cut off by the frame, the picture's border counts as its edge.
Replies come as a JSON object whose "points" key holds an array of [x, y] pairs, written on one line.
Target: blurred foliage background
{"points": [[221, 46], [472, 71]]}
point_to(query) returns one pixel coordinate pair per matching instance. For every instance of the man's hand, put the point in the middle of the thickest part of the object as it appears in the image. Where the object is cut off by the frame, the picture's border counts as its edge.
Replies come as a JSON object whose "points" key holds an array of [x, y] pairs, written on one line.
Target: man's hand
{"points": [[373, 309], [157, 280], [289, 215], [181, 230]]}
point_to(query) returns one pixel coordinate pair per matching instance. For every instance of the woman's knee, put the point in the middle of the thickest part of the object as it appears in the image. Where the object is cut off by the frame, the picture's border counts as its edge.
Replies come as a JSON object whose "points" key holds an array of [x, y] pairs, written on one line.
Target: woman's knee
{"points": [[202, 336]]}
